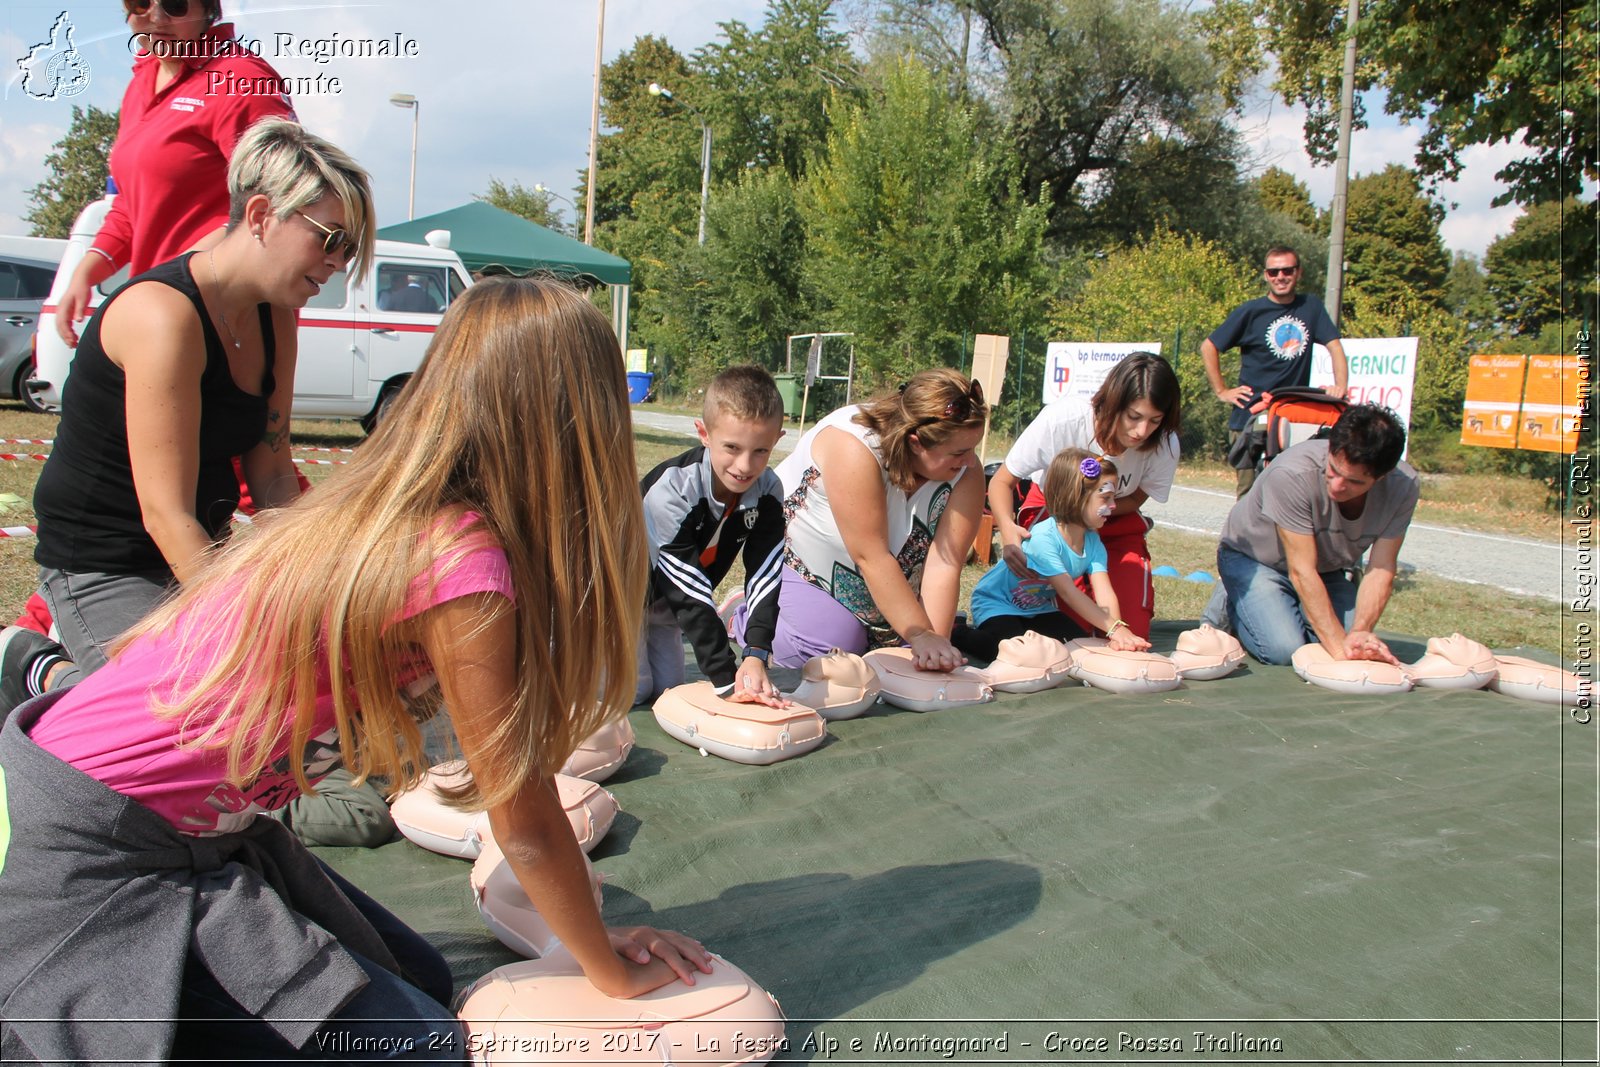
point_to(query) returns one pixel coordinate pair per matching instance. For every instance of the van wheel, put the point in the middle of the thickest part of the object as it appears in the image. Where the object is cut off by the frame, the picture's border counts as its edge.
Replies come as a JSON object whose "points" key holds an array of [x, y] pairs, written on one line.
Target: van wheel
{"points": [[385, 402], [19, 388]]}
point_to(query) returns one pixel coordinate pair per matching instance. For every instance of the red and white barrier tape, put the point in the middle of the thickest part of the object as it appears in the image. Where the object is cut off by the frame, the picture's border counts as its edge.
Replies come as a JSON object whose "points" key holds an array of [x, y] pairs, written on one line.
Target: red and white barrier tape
{"points": [[315, 448], [26, 441], [322, 462], [18, 531], [41, 457]]}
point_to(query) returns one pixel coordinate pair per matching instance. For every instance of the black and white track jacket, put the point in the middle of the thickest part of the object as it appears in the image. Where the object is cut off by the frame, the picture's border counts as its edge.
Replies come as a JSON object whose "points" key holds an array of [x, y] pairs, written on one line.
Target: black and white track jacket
{"points": [[693, 544]]}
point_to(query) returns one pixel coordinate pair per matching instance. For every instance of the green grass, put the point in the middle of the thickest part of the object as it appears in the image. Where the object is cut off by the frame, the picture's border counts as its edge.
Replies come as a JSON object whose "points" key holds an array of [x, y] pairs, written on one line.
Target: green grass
{"points": [[1422, 605]]}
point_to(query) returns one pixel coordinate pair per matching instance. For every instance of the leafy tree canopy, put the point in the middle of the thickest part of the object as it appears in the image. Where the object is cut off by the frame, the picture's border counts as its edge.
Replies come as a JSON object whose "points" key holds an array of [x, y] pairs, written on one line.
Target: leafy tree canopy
{"points": [[909, 245], [1283, 193], [1471, 73], [535, 205], [770, 88], [77, 170], [1091, 84], [1536, 273], [1393, 246]]}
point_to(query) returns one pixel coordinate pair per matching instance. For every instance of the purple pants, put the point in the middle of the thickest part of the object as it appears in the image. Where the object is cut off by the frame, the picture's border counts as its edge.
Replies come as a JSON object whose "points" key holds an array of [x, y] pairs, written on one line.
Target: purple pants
{"points": [[810, 623]]}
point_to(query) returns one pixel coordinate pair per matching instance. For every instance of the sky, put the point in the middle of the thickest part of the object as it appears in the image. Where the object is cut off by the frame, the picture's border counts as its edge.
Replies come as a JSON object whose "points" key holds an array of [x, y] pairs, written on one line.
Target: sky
{"points": [[505, 90]]}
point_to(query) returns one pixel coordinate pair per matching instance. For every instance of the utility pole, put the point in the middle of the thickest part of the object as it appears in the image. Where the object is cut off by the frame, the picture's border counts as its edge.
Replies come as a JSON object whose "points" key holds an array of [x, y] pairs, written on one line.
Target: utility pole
{"points": [[594, 125], [1334, 297]]}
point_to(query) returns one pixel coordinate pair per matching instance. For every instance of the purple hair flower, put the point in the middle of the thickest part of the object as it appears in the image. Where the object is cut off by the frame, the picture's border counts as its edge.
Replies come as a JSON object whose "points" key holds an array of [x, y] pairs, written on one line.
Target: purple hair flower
{"points": [[1090, 467]]}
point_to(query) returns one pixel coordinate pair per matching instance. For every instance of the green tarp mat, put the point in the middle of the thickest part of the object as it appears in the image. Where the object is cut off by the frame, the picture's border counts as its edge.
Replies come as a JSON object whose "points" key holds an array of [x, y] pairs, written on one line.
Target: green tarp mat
{"points": [[1292, 874], [485, 237]]}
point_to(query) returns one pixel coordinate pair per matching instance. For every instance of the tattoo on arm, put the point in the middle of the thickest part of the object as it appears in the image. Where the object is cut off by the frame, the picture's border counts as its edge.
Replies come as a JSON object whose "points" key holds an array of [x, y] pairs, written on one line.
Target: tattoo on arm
{"points": [[276, 435]]}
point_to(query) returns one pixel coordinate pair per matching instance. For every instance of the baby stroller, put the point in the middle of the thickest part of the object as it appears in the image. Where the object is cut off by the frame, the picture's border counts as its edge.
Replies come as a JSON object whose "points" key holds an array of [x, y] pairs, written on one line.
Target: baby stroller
{"points": [[1294, 414]]}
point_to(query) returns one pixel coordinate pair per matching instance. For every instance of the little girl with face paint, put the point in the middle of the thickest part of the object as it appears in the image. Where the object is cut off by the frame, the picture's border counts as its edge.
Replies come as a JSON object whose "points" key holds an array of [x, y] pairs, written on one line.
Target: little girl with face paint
{"points": [[1080, 490]]}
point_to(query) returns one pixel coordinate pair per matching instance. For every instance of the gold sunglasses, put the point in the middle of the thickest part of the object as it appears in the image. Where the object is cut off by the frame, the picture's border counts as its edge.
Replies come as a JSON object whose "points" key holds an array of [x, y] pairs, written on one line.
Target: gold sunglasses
{"points": [[334, 239]]}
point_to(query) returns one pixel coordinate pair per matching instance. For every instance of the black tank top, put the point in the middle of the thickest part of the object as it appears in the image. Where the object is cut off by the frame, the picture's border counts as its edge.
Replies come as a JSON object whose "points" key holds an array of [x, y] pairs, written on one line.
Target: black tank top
{"points": [[88, 511]]}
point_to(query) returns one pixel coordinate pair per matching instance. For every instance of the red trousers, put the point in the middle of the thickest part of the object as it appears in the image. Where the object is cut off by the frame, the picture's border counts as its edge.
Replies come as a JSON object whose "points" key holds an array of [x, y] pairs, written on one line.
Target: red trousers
{"points": [[1127, 564]]}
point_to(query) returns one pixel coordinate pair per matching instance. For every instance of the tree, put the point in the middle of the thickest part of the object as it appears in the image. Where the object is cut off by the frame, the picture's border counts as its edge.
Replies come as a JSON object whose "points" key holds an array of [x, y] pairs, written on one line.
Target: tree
{"points": [[1393, 246], [535, 205], [945, 36], [1090, 83], [910, 245], [1471, 73], [1174, 289], [1176, 184], [653, 155], [1536, 274], [735, 299], [1466, 293], [1286, 195], [770, 89], [77, 171]]}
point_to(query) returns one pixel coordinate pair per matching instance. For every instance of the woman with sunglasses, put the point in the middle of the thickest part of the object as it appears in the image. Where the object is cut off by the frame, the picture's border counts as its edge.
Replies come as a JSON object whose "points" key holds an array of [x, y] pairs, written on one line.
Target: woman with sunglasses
{"points": [[882, 502], [1133, 419], [187, 366], [170, 159]]}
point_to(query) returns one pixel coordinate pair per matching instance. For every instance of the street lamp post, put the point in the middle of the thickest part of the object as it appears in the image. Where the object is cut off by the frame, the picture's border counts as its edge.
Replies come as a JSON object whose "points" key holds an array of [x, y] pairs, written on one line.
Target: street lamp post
{"points": [[657, 89], [544, 190], [406, 100]]}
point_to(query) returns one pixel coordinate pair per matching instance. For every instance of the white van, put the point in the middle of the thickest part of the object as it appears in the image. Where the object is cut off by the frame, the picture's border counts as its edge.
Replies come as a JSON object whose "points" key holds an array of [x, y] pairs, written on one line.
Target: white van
{"points": [[356, 347]]}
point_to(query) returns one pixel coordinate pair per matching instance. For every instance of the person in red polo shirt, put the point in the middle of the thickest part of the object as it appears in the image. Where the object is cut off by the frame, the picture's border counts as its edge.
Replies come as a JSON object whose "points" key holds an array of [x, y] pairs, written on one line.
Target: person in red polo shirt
{"points": [[174, 140]]}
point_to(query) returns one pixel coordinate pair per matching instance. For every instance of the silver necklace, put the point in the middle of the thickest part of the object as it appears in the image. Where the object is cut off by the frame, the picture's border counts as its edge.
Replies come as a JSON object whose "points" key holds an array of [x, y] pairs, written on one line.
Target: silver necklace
{"points": [[211, 257]]}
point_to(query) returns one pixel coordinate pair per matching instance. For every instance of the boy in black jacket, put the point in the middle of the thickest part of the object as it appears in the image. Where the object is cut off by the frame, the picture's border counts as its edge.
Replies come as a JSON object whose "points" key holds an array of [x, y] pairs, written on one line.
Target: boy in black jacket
{"points": [[701, 509]]}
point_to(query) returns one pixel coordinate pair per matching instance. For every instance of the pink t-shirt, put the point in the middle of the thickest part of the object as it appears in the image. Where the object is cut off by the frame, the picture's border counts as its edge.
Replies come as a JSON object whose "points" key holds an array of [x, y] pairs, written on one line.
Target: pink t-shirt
{"points": [[105, 726]]}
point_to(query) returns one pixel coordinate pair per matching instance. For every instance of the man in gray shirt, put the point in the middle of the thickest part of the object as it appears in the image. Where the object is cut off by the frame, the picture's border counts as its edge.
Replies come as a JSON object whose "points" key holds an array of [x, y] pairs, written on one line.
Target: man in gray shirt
{"points": [[1291, 545]]}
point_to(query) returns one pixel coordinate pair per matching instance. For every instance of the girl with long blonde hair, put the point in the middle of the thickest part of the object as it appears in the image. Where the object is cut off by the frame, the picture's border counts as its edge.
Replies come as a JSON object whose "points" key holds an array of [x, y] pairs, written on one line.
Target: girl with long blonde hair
{"points": [[485, 549]]}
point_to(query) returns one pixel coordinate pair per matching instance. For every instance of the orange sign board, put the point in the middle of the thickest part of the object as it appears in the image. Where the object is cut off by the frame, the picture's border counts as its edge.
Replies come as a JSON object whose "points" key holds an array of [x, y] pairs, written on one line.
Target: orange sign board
{"points": [[1494, 398], [1550, 405]]}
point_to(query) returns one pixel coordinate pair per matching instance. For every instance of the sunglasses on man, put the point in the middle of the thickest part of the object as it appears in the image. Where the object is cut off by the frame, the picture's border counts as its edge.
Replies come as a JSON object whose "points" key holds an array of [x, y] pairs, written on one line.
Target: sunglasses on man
{"points": [[1278, 272], [175, 9]]}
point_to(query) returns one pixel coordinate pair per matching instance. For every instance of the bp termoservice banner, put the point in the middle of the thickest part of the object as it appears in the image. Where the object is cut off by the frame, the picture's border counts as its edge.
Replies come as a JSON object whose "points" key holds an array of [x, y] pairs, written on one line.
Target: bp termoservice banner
{"points": [[1075, 368]]}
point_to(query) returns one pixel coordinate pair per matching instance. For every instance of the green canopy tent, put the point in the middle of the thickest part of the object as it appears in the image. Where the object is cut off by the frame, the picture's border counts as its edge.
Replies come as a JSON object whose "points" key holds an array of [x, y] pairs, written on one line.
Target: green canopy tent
{"points": [[492, 241]]}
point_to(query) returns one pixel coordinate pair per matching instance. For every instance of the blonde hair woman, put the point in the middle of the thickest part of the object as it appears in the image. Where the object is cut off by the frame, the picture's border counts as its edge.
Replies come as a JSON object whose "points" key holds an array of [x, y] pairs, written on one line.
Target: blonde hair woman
{"points": [[882, 504], [187, 366], [488, 536]]}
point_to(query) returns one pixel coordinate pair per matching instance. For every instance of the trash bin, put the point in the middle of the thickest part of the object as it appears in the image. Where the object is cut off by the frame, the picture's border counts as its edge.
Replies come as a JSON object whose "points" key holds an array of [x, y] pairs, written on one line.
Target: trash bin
{"points": [[789, 389], [639, 385]]}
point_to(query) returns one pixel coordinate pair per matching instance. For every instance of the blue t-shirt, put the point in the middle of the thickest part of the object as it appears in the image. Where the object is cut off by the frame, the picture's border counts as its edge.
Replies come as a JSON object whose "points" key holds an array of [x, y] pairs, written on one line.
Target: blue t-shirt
{"points": [[1002, 593], [1274, 342]]}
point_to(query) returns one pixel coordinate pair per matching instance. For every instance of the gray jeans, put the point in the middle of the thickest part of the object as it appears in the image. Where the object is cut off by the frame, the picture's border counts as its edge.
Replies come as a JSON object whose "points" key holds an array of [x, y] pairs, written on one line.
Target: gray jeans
{"points": [[660, 654], [91, 609]]}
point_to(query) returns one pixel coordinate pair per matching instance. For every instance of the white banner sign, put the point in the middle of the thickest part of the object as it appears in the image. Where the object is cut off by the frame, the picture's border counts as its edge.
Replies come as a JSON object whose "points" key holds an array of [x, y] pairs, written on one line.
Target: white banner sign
{"points": [[1073, 368], [1383, 370]]}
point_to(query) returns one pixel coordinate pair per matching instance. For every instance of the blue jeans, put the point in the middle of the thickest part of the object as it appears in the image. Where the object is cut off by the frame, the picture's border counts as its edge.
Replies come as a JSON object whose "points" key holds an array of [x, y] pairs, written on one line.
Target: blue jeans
{"points": [[392, 1019], [1260, 607]]}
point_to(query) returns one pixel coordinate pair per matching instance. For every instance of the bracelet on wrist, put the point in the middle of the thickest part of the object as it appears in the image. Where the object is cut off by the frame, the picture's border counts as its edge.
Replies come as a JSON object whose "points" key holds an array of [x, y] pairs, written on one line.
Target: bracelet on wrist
{"points": [[1113, 627]]}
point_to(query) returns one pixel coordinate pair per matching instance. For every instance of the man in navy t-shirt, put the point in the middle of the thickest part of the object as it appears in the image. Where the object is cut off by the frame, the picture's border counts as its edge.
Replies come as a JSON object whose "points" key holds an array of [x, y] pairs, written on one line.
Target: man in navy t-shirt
{"points": [[1274, 335]]}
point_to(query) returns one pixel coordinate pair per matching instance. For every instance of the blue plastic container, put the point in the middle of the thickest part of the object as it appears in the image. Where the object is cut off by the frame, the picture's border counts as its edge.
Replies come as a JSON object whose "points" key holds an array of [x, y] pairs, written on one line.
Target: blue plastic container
{"points": [[639, 385]]}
